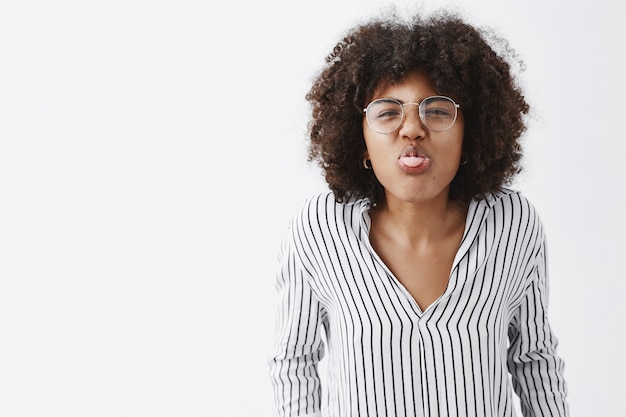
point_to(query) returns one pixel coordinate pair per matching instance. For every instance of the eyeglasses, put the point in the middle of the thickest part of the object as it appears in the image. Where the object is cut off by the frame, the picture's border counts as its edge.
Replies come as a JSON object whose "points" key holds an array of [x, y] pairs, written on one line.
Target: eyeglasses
{"points": [[438, 113]]}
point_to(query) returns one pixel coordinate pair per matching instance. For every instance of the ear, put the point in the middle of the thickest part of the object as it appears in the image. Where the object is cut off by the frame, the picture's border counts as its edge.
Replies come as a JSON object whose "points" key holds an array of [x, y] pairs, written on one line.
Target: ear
{"points": [[367, 163]]}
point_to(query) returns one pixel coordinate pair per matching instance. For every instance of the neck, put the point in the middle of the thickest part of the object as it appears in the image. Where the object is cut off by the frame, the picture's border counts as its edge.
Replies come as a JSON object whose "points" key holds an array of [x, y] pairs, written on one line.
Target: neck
{"points": [[419, 222]]}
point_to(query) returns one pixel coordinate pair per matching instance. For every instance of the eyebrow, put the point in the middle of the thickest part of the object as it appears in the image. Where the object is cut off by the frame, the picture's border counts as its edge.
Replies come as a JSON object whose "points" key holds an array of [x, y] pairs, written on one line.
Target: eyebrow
{"points": [[390, 99]]}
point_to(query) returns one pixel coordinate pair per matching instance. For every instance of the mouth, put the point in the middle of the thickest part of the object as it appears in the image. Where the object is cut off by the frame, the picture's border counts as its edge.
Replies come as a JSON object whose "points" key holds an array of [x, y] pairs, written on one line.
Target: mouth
{"points": [[412, 157]]}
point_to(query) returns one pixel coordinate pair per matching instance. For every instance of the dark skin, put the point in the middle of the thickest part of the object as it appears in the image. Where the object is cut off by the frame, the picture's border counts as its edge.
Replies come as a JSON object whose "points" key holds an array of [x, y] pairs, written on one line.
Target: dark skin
{"points": [[417, 229], [420, 255]]}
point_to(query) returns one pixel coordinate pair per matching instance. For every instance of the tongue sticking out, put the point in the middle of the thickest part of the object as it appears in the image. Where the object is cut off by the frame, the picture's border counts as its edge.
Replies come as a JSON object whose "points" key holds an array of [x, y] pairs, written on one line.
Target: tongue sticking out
{"points": [[412, 161]]}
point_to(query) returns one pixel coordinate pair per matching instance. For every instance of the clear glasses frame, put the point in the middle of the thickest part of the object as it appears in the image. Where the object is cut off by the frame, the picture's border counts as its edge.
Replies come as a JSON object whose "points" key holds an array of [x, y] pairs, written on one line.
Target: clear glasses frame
{"points": [[437, 113]]}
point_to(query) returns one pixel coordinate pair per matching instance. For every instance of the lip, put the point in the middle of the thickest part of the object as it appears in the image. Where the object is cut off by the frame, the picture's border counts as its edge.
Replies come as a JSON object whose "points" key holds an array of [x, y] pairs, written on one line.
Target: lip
{"points": [[413, 160]]}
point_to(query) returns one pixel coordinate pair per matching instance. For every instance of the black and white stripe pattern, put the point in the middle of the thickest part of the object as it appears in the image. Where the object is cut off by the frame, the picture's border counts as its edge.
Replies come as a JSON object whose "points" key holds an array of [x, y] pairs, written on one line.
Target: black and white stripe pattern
{"points": [[387, 358]]}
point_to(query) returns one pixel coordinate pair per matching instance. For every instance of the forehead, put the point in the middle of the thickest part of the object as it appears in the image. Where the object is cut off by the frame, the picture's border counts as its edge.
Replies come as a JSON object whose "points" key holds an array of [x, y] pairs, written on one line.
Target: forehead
{"points": [[415, 85]]}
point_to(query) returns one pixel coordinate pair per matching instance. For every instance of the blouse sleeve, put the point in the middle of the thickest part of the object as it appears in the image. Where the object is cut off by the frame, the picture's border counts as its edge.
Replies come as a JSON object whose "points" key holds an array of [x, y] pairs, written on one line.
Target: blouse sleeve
{"points": [[298, 343], [536, 369]]}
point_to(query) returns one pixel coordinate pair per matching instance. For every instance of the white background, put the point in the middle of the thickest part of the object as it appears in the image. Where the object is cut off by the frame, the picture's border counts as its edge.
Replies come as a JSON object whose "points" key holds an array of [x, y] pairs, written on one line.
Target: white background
{"points": [[152, 153]]}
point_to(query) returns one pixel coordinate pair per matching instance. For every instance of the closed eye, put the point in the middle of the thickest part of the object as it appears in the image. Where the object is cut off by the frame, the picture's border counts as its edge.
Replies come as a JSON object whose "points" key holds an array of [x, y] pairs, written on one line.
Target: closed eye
{"points": [[439, 112], [388, 114]]}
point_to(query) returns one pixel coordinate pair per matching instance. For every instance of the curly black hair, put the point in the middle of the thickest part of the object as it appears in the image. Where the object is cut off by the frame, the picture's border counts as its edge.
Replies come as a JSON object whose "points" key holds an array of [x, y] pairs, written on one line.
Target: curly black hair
{"points": [[462, 63]]}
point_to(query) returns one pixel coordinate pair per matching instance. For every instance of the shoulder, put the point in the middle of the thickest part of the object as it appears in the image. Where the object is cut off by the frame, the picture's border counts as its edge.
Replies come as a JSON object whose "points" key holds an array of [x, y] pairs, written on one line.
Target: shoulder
{"points": [[320, 220], [323, 208], [512, 208], [510, 201]]}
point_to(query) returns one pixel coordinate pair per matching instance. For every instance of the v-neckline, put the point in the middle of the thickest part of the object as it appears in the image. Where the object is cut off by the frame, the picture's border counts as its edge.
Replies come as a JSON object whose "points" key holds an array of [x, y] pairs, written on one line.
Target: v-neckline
{"points": [[473, 210]]}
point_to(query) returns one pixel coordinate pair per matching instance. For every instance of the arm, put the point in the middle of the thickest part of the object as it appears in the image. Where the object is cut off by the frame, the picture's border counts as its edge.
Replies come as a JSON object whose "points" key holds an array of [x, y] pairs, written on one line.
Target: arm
{"points": [[535, 367], [298, 343]]}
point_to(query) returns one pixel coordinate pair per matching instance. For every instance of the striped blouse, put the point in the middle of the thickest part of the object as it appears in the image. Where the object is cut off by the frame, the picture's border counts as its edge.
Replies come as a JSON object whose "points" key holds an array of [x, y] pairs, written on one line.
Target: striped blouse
{"points": [[486, 336]]}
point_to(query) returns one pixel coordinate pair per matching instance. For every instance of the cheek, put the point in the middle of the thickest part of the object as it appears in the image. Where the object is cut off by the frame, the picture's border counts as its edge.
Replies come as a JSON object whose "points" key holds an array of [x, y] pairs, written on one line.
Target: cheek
{"points": [[456, 140], [369, 141], [376, 152]]}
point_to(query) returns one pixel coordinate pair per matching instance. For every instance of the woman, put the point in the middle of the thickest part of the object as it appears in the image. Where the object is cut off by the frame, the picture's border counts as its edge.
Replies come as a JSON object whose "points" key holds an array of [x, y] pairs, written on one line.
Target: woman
{"points": [[419, 275]]}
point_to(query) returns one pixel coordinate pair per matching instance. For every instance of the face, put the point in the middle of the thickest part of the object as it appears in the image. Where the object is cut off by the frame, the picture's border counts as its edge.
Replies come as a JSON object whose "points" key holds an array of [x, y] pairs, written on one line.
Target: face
{"points": [[413, 163]]}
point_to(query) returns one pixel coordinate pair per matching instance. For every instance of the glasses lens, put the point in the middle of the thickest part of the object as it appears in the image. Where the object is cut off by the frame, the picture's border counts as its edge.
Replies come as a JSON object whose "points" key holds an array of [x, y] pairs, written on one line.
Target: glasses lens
{"points": [[438, 113], [384, 115]]}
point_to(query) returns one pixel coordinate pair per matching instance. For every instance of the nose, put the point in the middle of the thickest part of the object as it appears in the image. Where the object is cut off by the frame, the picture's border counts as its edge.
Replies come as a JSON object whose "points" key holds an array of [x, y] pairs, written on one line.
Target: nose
{"points": [[412, 126]]}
